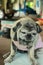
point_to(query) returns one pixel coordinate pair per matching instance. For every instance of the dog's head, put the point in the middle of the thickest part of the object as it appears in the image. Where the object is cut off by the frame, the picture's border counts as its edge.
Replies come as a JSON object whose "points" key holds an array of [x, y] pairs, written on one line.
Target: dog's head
{"points": [[26, 31]]}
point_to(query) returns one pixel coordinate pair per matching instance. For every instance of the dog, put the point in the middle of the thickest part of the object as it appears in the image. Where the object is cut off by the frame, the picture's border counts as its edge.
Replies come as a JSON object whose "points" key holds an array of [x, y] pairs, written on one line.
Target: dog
{"points": [[24, 37]]}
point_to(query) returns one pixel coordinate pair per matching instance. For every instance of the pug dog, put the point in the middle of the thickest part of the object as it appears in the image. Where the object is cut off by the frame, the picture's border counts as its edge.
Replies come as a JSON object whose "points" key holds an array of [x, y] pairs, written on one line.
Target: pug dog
{"points": [[24, 37]]}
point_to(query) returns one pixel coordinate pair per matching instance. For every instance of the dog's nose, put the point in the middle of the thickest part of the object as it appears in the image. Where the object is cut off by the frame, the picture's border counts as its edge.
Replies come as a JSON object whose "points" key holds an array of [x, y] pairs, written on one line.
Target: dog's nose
{"points": [[28, 36]]}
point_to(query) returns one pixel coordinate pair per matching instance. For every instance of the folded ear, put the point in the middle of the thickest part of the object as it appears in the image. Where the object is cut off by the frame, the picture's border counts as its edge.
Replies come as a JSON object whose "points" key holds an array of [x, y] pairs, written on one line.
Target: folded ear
{"points": [[15, 36], [18, 25], [38, 28]]}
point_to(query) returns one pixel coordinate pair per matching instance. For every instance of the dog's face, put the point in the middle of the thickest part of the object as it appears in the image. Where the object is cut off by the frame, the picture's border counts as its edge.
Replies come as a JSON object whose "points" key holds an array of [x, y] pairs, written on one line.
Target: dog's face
{"points": [[26, 31]]}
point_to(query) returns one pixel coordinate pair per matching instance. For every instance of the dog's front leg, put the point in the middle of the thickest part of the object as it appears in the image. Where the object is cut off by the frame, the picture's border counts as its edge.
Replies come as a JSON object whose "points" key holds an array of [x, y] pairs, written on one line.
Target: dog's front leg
{"points": [[12, 54], [32, 58]]}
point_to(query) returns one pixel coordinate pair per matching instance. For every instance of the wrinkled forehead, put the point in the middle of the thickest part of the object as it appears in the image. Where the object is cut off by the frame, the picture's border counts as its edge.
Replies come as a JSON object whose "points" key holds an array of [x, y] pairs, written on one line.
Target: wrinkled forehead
{"points": [[28, 30], [28, 24]]}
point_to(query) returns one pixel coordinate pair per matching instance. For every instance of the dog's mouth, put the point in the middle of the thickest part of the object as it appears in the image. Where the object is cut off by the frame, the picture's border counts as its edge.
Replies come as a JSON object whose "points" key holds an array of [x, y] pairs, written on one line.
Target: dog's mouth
{"points": [[26, 42]]}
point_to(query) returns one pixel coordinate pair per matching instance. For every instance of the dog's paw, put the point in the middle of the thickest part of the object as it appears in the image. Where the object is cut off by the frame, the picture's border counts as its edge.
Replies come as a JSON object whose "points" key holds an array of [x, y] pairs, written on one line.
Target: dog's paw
{"points": [[35, 63], [8, 59], [6, 55]]}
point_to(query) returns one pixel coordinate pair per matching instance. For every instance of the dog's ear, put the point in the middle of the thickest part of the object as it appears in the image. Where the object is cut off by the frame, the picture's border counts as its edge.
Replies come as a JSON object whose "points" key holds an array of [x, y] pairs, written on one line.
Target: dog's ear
{"points": [[15, 36], [18, 25], [38, 28]]}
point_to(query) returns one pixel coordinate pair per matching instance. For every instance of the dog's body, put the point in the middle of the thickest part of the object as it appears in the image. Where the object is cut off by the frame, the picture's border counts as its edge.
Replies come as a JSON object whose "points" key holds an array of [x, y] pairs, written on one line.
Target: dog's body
{"points": [[25, 34]]}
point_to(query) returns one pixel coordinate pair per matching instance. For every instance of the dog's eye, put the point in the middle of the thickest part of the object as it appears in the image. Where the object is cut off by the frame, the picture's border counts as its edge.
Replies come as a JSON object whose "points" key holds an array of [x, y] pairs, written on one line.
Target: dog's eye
{"points": [[34, 33], [23, 32]]}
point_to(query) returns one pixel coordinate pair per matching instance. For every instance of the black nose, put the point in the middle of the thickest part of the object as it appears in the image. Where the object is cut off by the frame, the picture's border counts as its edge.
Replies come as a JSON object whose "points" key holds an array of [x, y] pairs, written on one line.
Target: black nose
{"points": [[28, 36]]}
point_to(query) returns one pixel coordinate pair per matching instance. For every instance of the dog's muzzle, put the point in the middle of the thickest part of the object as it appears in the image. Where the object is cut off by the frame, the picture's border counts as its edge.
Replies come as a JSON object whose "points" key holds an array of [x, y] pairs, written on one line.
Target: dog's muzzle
{"points": [[28, 36]]}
